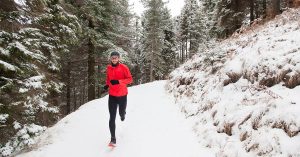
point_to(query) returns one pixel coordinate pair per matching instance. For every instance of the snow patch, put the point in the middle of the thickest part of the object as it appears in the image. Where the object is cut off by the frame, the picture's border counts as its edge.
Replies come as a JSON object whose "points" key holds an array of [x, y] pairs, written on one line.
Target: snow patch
{"points": [[20, 2], [4, 52], [34, 82], [3, 118], [8, 66]]}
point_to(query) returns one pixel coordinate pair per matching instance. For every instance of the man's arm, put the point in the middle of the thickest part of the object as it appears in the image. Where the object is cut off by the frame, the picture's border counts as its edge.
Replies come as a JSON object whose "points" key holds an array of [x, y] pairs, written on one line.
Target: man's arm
{"points": [[107, 77], [128, 77]]}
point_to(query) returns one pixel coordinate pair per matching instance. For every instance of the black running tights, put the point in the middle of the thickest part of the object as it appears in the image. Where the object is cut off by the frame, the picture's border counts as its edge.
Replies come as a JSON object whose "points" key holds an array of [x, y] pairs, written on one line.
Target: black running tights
{"points": [[113, 103]]}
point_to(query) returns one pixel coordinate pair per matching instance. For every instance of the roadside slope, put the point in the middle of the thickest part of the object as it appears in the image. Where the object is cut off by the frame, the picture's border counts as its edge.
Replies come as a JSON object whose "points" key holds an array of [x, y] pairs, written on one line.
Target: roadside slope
{"points": [[244, 94]]}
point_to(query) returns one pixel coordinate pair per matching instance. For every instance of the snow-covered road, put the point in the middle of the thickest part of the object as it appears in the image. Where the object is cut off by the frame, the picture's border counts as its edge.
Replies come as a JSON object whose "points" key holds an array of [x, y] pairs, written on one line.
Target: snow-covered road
{"points": [[154, 127]]}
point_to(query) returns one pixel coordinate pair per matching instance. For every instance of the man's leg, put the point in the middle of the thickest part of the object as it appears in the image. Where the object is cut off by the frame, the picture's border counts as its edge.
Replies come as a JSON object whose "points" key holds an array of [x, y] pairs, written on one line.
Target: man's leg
{"points": [[112, 107], [122, 107]]}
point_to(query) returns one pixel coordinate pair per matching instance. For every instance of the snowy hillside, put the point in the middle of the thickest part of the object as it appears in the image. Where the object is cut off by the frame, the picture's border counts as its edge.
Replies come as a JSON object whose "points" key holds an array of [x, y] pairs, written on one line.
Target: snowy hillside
{"points": [[243, 95], [154, 127]]}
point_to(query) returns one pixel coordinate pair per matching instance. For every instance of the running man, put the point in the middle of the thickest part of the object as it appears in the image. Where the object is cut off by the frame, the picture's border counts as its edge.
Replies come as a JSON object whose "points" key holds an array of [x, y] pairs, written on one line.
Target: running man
{"points": [[118, 77]]}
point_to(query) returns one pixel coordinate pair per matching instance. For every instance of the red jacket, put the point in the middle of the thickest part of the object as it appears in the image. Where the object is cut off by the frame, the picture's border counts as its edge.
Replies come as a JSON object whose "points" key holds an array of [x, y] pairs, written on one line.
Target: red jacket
{"points": [[121, 73]]}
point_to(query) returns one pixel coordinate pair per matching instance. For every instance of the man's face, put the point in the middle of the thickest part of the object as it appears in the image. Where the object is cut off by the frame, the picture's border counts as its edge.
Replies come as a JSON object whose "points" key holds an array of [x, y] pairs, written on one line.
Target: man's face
{"points": [[114, 59]]}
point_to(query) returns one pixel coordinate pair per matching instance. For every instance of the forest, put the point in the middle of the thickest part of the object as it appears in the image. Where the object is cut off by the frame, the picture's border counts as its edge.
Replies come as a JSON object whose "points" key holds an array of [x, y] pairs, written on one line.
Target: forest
{"points": [[53, 53]]}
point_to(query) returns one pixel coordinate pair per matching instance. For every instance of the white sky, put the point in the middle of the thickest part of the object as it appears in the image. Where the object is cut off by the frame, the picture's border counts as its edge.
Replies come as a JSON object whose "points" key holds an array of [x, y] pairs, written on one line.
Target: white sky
{"points": [[174, 5]]}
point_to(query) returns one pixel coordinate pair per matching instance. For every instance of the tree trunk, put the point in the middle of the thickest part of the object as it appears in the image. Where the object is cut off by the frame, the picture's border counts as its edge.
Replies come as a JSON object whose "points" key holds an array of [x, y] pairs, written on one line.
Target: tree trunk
{"points": [[236, 8], [68, 106], [186, 48], [151, 64], [256, 9], [99, 74], [182, 51], [91, 67], [5, 23], [191, 47], [275, 5], [136, 73], [264, 8], [83, 92], [91, 72], [251, 11], [75, 99], [273, 9]]}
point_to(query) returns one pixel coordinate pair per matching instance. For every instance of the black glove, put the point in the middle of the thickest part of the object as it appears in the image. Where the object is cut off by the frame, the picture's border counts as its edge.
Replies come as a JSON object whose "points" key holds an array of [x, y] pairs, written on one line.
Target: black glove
{"points": [[105, 87], [114, 82]]}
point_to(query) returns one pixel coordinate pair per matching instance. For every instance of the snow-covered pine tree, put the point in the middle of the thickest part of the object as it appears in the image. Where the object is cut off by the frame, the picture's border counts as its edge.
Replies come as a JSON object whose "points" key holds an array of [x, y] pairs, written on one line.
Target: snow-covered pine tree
{"points": [[124, 24], [230, 15], [125, 32], [106, 26], [184, 32], [137, 58], [208, 9], [177, 31], [169, 44], [31, 44], [197, 29], [154, 36], [225, 17], [144, 54], [96, 19], [192, 28]]}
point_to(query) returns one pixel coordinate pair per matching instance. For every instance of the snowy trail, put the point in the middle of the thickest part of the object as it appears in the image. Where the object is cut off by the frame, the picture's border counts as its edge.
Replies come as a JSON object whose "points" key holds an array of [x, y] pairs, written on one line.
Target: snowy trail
{"points": [[153, 127]]}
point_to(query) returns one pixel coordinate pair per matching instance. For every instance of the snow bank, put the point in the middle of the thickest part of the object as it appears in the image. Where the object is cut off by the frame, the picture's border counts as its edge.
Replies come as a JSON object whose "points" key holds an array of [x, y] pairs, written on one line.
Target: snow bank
{"points": [[243, 94]]}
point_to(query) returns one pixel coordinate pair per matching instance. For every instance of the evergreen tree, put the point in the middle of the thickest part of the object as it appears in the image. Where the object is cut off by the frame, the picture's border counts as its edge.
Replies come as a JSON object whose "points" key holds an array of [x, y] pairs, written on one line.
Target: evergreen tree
{"points": [[137, 58], [192, 29], [184, 32], [104, 25], [169, 45], [30, 82], [125, 32], [154, 36], [96, 19]]}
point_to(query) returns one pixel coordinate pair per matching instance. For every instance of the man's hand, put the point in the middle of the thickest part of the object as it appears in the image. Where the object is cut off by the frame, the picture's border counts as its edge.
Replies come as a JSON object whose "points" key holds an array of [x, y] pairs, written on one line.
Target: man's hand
{"points": [[114, 82], [105, 87]]}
